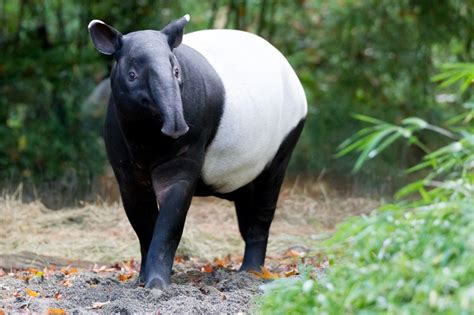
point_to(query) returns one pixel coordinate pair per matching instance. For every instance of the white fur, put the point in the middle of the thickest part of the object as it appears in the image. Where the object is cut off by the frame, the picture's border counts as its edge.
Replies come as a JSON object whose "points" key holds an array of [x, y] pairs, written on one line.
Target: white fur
{"points": [[187, 17], [91, 23], [264, 101]]}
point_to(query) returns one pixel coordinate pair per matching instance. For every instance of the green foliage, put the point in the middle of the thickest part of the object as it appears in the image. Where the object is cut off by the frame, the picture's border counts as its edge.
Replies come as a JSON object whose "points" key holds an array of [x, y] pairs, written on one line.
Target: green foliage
{"points": [[393, 262], [374, 57], [412, 257]]}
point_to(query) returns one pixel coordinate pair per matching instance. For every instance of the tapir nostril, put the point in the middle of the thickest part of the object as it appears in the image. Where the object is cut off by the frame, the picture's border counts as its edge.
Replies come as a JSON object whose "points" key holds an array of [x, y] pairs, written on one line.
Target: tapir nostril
{"points": [[145, 101]]}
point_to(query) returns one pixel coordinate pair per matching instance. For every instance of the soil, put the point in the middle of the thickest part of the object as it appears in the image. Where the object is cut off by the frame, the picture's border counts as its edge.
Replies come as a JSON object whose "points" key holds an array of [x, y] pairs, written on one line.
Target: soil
{"points": [[192, 291], [201, 283]]}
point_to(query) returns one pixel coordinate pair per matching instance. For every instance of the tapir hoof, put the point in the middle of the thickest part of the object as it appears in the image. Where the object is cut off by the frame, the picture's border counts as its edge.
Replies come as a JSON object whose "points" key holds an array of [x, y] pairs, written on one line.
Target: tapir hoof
{"points": [[157, 282], [250, 267]]}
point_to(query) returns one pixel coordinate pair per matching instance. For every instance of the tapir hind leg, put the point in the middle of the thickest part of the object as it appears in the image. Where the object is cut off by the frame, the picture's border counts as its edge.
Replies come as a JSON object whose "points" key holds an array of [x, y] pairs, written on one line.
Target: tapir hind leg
{"points": [[256, 203]]}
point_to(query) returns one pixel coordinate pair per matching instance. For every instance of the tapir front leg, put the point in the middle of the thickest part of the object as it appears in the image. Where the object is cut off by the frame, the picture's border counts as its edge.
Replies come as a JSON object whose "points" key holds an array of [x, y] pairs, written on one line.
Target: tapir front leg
{"points": [[174, 183]]}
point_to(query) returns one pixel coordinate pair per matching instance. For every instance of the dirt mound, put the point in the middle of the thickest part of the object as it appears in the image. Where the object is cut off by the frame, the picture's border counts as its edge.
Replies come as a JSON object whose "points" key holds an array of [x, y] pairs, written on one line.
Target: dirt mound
{"points": [[192, 291]]}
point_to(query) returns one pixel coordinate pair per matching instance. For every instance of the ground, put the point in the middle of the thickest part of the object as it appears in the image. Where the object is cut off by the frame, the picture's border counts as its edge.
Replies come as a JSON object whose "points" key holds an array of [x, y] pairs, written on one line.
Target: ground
{"points": [[205, 277]]}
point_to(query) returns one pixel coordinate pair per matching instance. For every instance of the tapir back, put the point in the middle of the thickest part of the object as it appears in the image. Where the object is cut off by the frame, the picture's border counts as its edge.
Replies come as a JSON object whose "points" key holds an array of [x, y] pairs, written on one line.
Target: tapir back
{"points": [[264, 102]]}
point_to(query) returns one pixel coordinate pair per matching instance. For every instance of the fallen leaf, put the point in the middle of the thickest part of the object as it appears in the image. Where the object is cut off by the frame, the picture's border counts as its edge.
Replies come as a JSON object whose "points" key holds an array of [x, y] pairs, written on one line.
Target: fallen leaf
{"points": [[55, 311], [32, 270], [103, 268], [129, 265], [207, 268], [126, 276], [58, 295], [99, 305], [265, 274], [32, 293], [25, 278], [178, 259], [293, 253], [2, 272], [291, 273], [68, 271], [39, 274], [222, 262], [67, 283], [2, 312]]}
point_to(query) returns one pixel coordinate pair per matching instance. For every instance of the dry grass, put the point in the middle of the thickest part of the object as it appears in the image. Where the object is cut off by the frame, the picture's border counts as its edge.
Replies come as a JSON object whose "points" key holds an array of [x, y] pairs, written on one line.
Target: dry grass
{"points": [[101, 232]]}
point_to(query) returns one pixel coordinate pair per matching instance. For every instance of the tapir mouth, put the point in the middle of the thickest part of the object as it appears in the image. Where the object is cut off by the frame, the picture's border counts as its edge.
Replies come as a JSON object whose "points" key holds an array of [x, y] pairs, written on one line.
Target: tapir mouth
{"points": [[154, 110]]}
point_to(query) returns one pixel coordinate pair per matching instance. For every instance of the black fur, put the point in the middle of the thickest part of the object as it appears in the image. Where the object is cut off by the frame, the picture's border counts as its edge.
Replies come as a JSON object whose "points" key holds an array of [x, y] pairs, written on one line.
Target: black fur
{"points": [[159, 123], [137, 149]]}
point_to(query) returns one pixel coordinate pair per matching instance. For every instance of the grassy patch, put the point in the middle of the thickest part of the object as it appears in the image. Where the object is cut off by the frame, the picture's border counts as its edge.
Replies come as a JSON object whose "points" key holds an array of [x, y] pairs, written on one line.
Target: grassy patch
{"points": [[396, 262]]}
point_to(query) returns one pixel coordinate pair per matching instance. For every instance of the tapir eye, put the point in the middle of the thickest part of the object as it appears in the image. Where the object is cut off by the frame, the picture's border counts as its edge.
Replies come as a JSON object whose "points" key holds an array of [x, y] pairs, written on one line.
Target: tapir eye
{"points": [[176, 72], [132, 76]]}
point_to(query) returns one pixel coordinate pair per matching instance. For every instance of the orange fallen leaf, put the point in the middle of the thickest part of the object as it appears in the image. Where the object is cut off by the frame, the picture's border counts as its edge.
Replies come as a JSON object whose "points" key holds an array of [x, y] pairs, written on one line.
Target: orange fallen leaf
{"points": [[68, 271], [207, 268], [55, 311], [32, 270], [125, 277], [292, 253], [291, 273], [99, 305], [265, 274], [222, 262], [32, 293], [2, 312], [67, 283], [179, 259]]}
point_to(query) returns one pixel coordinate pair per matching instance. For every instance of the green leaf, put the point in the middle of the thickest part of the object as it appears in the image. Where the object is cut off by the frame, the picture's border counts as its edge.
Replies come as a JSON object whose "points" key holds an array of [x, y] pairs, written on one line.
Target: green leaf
{"points": [[368, 119]]}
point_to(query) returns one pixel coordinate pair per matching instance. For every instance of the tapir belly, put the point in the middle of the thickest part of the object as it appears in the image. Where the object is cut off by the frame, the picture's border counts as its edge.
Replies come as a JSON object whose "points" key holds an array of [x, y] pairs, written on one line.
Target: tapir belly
{"points": [[264, 102]]}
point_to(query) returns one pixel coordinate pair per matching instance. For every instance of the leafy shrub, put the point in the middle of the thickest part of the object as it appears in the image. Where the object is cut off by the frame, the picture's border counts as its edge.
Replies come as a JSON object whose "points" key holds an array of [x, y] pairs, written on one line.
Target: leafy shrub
{"points": [[415, 256]]}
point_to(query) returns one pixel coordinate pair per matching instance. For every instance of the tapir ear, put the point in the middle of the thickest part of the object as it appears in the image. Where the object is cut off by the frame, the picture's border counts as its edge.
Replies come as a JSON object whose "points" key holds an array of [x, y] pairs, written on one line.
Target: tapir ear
{"points": [[106, 39], [175, 30]]}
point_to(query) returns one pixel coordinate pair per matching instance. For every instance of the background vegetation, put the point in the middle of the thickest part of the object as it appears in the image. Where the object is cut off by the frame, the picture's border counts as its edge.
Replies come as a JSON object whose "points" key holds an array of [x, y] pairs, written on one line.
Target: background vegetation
{"points": [[372, 57], [414, 256]]}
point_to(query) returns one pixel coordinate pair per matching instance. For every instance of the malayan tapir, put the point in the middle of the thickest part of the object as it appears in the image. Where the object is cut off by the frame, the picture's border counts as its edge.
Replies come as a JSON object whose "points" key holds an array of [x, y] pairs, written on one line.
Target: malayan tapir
{"points": [[213, 112]]}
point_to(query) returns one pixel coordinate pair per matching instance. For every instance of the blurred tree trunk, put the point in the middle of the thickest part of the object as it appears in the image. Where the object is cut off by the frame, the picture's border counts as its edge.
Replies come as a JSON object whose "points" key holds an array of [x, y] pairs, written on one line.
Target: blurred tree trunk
{"points": [[231, 10], [42, 26], [237, 9], [271, 29], [82, 37], [261, 19], [241, 15], [61, 25], [19, 25], [3, 22], [214, 10]]}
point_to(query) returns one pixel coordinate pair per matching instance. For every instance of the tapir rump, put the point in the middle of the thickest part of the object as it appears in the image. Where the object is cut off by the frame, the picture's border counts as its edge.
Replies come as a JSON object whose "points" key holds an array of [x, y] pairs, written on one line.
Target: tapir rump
{"points": [[213, 112]]}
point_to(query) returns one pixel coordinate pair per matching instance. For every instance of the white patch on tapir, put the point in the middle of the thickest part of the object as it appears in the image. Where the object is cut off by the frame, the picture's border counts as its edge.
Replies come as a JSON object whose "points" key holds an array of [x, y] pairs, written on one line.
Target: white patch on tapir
{"points": [[264, 101]]}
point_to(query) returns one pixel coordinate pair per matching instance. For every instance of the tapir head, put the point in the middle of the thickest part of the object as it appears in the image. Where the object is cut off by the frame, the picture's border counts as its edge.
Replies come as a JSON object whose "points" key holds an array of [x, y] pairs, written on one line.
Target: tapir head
{"points": [[146, 79]]}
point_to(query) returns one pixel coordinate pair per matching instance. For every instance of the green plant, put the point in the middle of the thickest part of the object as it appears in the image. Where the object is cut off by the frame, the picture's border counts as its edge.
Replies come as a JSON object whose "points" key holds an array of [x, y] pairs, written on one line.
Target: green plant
{"points": [[415, 256]]}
